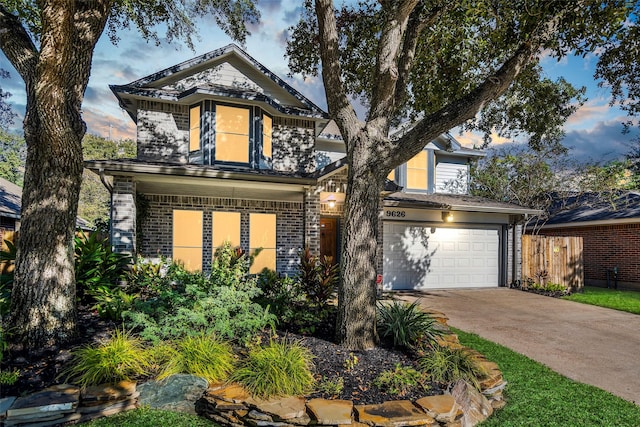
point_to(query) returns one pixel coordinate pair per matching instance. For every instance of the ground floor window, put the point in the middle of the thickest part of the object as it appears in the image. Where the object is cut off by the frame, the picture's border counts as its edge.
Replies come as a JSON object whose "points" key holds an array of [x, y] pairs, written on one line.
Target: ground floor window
{"points": [[187, 238], [226, 228], [262, 234]]}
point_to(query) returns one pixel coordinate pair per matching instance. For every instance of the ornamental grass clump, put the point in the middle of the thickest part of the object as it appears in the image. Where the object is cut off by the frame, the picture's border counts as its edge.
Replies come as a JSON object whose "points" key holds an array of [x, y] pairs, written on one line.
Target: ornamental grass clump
{"points": [[201, 355], [277, 369], [123, 357], [447, 365], [405, 325]]}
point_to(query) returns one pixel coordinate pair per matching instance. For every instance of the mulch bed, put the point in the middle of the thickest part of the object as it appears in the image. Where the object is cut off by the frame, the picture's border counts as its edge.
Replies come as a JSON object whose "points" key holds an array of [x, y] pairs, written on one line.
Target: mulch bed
{"points": [[44, 368]]}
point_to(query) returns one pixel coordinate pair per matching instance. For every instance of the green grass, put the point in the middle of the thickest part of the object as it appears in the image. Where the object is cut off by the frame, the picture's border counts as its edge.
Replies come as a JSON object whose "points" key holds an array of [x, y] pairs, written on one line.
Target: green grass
{"points": [[618, 300], [538, 396], [146, 417]]}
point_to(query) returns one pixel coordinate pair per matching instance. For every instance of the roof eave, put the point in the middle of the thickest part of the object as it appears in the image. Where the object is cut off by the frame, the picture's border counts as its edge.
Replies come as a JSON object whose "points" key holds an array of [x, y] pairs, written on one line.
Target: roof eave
{"points": [[111, 168]]}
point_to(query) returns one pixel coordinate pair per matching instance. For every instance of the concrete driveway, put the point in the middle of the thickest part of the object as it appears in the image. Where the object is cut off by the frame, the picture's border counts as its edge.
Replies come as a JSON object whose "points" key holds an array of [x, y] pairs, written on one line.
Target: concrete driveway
{"points": [[593, 345]]}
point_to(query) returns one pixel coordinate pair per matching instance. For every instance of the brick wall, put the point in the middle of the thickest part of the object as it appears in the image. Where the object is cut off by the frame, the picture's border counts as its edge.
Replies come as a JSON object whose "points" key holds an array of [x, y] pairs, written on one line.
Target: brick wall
{"points": [[293, 145], [123, 215], [157, 233], [163, 132], [605, 247]]}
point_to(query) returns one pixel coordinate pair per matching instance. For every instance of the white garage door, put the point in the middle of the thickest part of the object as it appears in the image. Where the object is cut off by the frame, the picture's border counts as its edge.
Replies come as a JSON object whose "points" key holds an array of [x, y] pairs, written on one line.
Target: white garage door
{"points": [[419, 257]]}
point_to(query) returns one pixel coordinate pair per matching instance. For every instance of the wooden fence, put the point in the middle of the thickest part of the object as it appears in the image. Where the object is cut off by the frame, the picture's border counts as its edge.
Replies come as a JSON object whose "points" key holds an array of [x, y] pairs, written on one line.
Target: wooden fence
{"points": [[553, 259]]}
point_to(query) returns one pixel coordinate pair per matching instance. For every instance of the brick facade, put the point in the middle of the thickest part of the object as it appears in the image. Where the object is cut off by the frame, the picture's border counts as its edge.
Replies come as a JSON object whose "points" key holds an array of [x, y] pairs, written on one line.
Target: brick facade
{"points": [[123, 215], [293, 145], [605, 247], [163, 132], [157, 228]]}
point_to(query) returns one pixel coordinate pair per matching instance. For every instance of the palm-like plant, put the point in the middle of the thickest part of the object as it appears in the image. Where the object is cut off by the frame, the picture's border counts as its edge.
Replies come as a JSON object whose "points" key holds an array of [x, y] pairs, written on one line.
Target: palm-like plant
{"points": [[405, 325]]}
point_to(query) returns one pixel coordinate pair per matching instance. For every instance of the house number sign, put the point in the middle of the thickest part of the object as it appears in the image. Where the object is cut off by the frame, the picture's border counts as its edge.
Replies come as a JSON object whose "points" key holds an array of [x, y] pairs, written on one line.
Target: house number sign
{"points": [[395, 214]]}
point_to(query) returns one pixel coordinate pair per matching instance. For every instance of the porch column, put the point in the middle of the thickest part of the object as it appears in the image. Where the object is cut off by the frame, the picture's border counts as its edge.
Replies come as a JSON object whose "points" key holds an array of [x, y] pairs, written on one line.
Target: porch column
{"points": [[312, 220], [123, 215]]}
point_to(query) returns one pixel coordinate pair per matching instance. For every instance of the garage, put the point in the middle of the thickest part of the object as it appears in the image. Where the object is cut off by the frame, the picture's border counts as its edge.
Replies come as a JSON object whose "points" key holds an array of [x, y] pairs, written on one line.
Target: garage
{"points": [[424, 256]]}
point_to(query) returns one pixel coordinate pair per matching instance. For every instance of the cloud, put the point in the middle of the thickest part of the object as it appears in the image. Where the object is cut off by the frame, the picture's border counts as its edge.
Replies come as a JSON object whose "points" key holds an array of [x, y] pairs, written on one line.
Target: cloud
{"points": [[602, 143], [291, 17], [594, 109], [116, 127], [475, 139]]}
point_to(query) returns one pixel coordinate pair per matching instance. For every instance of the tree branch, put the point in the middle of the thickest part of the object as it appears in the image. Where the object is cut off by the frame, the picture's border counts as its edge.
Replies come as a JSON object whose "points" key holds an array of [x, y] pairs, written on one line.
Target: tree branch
{"points": [[415, 27], [340, 108], [462, 109], [18, 47], [387, 74]]}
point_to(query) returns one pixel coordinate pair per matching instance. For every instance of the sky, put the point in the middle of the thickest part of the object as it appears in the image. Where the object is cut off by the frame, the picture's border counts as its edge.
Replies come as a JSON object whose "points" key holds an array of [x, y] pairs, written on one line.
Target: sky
{"points": [[593, 133]]}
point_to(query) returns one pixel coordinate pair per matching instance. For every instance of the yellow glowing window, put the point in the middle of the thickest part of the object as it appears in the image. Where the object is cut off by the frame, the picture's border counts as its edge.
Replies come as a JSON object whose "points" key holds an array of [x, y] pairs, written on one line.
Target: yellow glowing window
{"points": [[226, 228], [232, 134], [417, 171], [187, 238], [262, 234], [392, 175], [194, 128], [267, 134]]}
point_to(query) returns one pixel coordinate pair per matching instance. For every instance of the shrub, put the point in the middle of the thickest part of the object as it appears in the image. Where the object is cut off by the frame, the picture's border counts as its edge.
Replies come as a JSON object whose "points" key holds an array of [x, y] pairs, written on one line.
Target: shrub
{"points": [[447, 365], [188, 304], [318, 278], [121, 358], [9, 377], [278, 369], [331, 388], [200, 355], [400, 380], [405, 325], [111, 303], [96, 265]]}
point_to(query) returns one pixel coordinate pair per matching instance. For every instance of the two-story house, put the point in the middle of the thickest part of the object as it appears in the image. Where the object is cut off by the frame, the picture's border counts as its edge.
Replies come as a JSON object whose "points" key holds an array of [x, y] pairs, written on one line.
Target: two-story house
{"points": [[228, 151]]}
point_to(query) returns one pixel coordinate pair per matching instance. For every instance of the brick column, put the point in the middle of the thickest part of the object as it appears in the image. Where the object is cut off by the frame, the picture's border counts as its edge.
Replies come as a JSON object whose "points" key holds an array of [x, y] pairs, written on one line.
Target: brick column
{"points": [[312, 220], [123, 215]]}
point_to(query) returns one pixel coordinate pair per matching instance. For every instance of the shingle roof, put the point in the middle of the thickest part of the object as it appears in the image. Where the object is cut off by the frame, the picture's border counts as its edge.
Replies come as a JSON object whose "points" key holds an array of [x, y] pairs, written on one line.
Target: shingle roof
{"points": [[10, 195], [589, 207]]}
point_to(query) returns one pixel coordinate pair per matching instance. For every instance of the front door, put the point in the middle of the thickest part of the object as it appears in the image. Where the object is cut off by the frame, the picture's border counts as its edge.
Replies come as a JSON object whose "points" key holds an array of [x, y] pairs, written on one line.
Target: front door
{"points": [[329, 238]]}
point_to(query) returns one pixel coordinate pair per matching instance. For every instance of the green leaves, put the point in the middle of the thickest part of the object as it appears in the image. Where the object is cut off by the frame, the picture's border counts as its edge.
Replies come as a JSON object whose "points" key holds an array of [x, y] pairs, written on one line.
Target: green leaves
{"points": [[277, 369], [405, 324]]}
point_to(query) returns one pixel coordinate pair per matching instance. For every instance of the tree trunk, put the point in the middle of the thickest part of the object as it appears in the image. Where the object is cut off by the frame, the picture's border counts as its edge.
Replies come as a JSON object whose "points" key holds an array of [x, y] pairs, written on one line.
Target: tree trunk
{"points": [[43, 308], [356, 323]]}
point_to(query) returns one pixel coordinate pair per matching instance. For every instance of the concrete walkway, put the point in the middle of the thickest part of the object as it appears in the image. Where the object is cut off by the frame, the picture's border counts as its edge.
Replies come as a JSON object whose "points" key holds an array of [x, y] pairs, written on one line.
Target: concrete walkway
{"points": [[593, 345]]}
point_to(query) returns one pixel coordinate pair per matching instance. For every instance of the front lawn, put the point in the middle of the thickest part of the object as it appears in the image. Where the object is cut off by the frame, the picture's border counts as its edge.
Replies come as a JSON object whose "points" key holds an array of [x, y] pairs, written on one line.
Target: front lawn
{"points": [[146, 417], [538, 396], [610, 298]]}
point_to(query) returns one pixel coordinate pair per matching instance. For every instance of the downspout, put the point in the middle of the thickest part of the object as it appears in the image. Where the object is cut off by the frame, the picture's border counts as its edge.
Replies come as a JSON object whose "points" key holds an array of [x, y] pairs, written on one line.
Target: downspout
{"points": [[104, 181]]}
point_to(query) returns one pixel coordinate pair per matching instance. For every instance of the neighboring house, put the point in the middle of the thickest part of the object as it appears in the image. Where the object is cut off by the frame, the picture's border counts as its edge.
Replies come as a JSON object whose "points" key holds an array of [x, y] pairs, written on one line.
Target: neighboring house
{"points": [[609, 225], [10, 196], [228, 151], [10, 202]]}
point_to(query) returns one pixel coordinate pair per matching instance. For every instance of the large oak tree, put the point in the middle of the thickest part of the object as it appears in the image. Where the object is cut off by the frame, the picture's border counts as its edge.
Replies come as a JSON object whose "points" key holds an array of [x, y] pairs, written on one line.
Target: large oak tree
{"points": [[442, 64], [51, 45]]}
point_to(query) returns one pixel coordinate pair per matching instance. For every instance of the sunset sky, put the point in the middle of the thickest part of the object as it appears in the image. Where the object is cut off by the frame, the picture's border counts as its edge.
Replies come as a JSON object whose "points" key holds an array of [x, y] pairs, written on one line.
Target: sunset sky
{"points": [[593, 132]]}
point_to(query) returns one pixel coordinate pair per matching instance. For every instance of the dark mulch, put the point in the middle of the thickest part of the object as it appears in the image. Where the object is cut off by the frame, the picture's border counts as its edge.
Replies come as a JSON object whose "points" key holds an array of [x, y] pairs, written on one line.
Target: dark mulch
{"points": [[44, 368]]}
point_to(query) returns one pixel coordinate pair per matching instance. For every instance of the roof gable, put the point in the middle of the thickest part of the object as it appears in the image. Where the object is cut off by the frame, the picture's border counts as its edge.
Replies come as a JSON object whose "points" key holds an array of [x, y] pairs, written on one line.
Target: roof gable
{"points": [[228, 71]]}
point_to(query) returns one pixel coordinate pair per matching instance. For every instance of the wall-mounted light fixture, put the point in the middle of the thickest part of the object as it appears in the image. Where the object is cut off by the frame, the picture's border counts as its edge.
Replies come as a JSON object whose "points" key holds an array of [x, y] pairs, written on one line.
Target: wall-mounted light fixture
{"points": [[331, 201], [447, 216]]}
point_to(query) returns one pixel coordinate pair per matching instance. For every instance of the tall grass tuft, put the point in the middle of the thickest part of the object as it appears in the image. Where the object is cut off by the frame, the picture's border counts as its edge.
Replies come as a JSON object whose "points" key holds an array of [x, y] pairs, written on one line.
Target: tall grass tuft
{"points": [[405, 325], [277, 369], [201, 355], [123, 357], [447, 365]]}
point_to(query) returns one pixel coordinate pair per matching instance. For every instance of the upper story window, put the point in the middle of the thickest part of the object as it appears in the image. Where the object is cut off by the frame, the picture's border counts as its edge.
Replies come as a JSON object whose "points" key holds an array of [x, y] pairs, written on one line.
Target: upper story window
{"points": [[230, 134], [417, 172]]}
